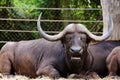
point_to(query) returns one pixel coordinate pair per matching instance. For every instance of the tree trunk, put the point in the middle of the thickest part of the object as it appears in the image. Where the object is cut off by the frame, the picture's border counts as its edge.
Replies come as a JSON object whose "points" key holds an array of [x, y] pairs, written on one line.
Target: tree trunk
{"points": [[111, 7]]}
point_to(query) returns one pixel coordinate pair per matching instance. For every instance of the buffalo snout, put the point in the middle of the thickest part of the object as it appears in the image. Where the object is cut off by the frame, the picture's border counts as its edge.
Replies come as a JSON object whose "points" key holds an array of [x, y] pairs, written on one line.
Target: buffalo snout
{"points": [[76, 50]]}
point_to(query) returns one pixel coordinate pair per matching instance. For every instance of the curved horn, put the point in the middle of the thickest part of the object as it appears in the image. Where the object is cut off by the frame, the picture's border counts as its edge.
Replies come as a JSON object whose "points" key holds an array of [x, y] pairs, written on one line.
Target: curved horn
{"points": [[104, 36], [46, 36]]}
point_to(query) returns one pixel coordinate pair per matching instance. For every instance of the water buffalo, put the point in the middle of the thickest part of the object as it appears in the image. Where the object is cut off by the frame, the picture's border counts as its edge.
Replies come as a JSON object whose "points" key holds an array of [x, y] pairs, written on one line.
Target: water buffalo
{"points": [[56, 56], [113, 62], [80, 54]]}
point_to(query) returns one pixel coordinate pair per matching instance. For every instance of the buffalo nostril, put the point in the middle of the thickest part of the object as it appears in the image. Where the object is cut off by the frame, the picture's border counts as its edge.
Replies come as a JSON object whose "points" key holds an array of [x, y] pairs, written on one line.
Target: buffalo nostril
{"points": [[72, 50]]}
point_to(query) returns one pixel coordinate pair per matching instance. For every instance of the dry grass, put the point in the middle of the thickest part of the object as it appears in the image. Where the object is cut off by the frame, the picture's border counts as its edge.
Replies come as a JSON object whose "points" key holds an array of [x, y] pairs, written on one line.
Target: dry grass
{"points": [[20, 77]]}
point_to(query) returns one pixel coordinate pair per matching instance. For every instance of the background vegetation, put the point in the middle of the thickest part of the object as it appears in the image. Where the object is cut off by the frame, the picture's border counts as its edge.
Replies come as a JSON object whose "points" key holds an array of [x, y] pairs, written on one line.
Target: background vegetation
{"points": [[30, 9]]}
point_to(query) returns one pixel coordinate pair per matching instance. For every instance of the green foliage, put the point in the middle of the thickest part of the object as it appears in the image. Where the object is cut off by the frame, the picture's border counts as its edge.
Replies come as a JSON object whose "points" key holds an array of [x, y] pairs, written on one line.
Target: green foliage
{"points": [[27, 9], [2, 2]]}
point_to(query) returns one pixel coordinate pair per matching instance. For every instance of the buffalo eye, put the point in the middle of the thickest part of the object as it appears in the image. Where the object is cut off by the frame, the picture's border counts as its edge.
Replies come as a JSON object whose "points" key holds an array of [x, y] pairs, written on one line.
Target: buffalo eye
{"points": [[83, 39], [68, 39]]}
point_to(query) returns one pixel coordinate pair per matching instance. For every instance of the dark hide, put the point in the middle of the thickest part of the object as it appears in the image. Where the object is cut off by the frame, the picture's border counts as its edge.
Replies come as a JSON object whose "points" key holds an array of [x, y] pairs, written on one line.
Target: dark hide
{"points": [[33, 58], [95, 61], [113, 62], [40, 57], [100, 51]]}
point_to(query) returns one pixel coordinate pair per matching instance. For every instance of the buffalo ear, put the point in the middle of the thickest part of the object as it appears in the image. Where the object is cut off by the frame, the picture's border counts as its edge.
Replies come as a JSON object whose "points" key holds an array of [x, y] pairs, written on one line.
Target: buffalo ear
{"points": [[63, 40], [88, 40]]}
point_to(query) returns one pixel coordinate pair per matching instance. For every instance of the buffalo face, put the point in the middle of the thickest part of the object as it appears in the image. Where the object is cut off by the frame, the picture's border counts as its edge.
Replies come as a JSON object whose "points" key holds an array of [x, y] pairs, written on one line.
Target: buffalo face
{"points": [[75, 43]]}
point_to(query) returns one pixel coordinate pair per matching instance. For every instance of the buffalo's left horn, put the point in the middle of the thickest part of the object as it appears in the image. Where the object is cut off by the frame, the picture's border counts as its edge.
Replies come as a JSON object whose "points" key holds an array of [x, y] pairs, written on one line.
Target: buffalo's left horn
{"points": [[46, 36], [99, 38]]}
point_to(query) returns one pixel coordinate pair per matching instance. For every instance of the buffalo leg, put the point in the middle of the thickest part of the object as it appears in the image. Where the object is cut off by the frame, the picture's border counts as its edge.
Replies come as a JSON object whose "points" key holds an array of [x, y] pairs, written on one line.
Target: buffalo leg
{"points": [[91, 75], [112, 65], [75, 76], [5, 66], [86, 75], [49, 71]]}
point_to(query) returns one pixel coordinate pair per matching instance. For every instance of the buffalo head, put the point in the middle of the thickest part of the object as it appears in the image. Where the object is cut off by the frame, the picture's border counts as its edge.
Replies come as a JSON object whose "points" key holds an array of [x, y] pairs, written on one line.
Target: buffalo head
{"points": [[75, 37]]}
